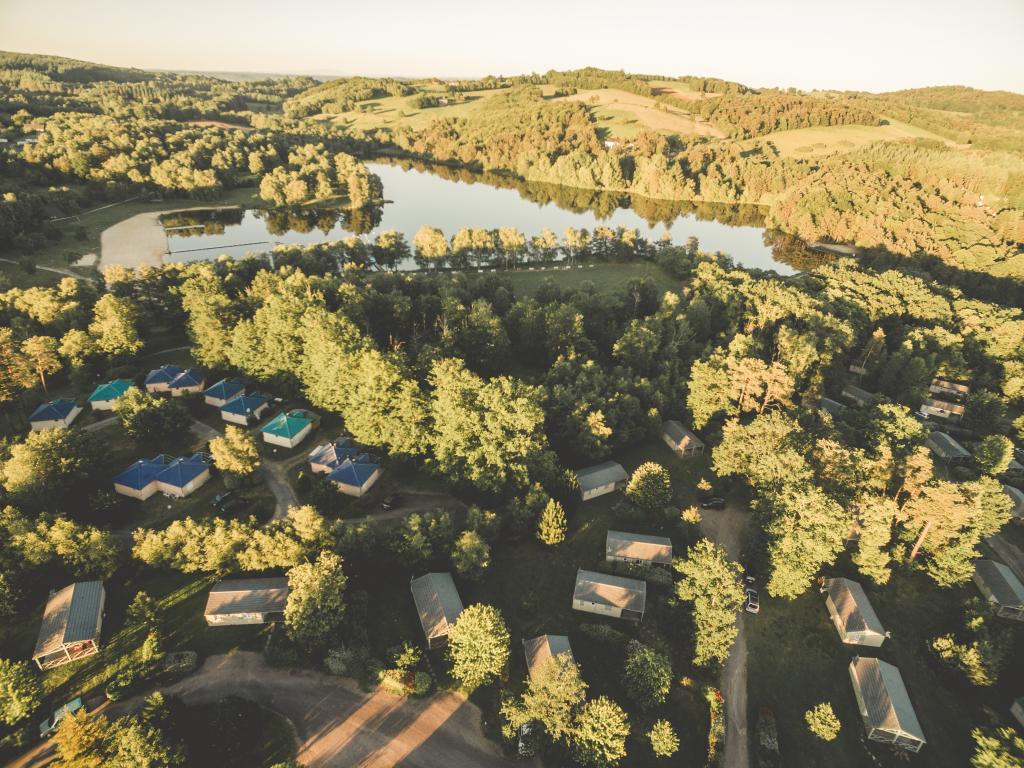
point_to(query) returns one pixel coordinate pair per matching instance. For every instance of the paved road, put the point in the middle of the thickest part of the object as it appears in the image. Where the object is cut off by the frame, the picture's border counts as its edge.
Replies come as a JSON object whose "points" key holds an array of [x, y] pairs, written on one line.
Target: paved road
{"points": [[728, 527], [1009, 553]]}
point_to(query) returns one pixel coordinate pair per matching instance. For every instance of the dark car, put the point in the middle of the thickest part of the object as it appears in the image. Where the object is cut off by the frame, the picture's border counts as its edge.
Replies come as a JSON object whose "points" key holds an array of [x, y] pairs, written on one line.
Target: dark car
{"points": [[716, 503], [223, 498], [391, 502]]}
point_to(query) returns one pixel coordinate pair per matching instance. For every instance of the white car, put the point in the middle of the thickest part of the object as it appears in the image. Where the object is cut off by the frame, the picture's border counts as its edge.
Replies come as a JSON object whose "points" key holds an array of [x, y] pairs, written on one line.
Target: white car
{"points": [[752, 606]]}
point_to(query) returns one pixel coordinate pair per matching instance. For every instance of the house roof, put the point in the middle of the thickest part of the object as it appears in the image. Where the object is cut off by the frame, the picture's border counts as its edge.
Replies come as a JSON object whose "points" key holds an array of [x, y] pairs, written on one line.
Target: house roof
{"points": [[854, 608], [601, 474], [944, 385], [225, 389], [616, 591], [885, 697], [353, 473], [111, 390], [831, 406], [193, 377], [542, 649], [244, 405], [287, 424], [333, 453], [55, 410], [945, 446], [680, 435], [181, 472], [855, 393], [437, 602], [142, 472], [165, 374], [944, 405], [72, 615], [1001, 582], [247, 596], [1017, 496], [639, 546]]}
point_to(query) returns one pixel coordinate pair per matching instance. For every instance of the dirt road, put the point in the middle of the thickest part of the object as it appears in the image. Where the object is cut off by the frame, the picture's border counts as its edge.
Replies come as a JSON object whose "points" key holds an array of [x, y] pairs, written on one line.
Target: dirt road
{"points": [[57, 270], [728, 527]]}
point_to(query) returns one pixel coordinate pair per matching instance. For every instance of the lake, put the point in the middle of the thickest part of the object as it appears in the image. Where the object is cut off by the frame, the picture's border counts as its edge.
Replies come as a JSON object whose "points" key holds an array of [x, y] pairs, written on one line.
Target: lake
{"points": [[452, 199]]}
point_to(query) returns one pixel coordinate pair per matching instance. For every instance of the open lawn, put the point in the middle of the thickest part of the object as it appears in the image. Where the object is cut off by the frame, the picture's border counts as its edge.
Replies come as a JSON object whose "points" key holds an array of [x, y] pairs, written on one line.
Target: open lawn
{"points": [[827, 140], [397, 111], [623, 114], [605, 277]]}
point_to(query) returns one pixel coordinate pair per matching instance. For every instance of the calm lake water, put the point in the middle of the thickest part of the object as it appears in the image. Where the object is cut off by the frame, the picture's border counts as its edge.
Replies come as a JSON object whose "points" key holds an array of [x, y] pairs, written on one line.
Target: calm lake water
{"points": [[452, 199]]}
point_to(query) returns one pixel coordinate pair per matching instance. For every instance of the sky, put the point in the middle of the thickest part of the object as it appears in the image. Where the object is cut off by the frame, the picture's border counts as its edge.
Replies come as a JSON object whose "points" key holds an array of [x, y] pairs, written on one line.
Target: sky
{"points": [[868, 45]]}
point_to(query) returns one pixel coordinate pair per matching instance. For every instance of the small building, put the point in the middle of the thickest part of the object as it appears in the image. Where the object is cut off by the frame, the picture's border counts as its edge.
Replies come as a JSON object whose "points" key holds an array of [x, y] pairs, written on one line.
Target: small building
{"points": [[942, 409], [859, 397], [438, 605], [184, 476], [355, 477], [329, 456], [187, 382], [1017, 497], [608, 595], [829, 405], [637, 548], [105, 396], [139, 481], [287, 429], [601, 479], [56, 414], [1014, 470], [1017, 710], [946, 448], [72, 621], [159, 379], [852, 614], [544, 648], [246, 601], [681, 440], [884, 704], [245, 409], [223, 391], [949, 388], [1001, 587]]}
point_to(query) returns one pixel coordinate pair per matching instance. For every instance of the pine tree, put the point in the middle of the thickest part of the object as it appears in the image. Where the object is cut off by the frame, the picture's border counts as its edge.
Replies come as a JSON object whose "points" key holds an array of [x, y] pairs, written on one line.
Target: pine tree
{"points": [[552, 524]]}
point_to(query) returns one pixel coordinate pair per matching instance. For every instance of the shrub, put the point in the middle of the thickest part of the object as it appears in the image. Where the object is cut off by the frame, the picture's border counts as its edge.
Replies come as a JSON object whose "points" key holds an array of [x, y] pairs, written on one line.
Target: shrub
{"points": [[822, 721], [663, 739], [647, 675], [552, 525]]}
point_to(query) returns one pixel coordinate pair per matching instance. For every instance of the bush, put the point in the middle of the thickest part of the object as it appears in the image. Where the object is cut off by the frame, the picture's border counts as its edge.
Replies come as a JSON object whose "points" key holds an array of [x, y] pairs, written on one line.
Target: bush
{"points": [[822, 721], [121, 686], [422, 683], [663, 739], [647, 675]]}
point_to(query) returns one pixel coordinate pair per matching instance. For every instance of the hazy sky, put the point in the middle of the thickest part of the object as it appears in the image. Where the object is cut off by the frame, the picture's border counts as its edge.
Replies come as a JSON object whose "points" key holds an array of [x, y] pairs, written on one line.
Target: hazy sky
{"points": [[856, 44]]}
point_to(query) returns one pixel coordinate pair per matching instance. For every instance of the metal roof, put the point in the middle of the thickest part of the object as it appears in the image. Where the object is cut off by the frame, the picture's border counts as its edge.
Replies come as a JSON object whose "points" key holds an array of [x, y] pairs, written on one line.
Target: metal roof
{"points": [[944, 385], [287, 424], [437, 602], [244, 405], [944, 405], [72, 615], [680, 435], [55, 410], [233, 596], [858, 395], [831, 406], [544, 648], [1003, 583], [945, 446], [353, 473], [181, 472], [601, 474], [1017, 496], [616, 591], [853, 607], [193, 377], [142, 472], [165, 374], [885, 697], [639, 546], [333, 453], [225, 389], [111, 390]]}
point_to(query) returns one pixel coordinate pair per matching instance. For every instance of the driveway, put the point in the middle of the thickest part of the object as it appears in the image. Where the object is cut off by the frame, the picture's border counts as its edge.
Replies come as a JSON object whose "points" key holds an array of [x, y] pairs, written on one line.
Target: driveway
{"points": [[728, 528]]}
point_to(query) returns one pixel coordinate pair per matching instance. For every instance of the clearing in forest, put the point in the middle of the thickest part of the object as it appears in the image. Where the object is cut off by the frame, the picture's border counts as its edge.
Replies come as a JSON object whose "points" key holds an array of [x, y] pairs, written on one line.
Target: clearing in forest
{"points": [[826, 140], [623, 114]]}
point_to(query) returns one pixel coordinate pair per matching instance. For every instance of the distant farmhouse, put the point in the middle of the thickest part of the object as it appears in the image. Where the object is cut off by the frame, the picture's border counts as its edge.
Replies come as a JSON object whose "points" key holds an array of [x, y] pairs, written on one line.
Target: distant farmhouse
{"points": [[681, 440], [288, 429], [172, 379], [542, 649], [946, 448], [174, 477], [1001, 587], [246, 601], [72, 621], [854, 618], [105, 396], [884, 704], [607, 595], [601, 479], [245, 410], [438, 605], [56, 414], [224, 390], [637, 548]]}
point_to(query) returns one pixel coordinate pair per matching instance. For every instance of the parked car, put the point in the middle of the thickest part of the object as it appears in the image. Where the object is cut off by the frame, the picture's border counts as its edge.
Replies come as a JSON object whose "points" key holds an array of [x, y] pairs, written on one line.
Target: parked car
{"points": [[49, 725], [753, 605], [716, 503], [391, 502]]}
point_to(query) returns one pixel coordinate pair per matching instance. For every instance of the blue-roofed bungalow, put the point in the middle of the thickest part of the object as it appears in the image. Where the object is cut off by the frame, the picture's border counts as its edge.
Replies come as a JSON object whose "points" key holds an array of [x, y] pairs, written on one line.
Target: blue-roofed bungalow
{"points": [[185, 475], [159, 379], [139, 481], [106, 395], [187, 382], [328, 457], [223, 391], [54, 415], [355, 478], [287, 429], [245, 409]]}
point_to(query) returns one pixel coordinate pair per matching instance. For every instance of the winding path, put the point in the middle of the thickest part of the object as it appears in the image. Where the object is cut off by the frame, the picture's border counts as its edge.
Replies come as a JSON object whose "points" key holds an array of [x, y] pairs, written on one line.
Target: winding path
{"points": [[55, 270]]}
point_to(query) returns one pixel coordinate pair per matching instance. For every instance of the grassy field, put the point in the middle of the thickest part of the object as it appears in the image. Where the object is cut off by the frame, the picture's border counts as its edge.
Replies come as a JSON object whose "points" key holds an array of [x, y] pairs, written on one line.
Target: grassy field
{"points": [[622, 114], [396, 111], [827, 140], [605, 277]]}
